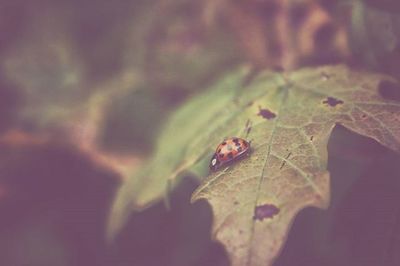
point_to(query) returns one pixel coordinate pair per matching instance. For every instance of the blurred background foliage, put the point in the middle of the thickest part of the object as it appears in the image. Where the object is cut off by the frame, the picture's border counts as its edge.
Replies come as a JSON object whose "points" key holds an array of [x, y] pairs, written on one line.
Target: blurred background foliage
{"points": [[85, 88]]}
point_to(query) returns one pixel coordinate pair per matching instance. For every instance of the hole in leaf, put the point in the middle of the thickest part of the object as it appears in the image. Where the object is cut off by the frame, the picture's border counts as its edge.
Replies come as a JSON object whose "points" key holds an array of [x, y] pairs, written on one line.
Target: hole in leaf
{"points": [[265, 113], [332, 101], [265, 211]]}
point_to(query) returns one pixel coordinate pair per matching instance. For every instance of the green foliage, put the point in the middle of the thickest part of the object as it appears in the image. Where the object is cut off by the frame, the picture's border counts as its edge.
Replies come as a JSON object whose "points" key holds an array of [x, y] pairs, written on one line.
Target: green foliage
{"points": [[255, 200]]}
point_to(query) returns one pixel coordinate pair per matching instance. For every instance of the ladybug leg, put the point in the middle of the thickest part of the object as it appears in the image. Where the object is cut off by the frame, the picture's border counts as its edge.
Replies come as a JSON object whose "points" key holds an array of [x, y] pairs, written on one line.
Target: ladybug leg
{"points": [[247, 128], [248, 152]]}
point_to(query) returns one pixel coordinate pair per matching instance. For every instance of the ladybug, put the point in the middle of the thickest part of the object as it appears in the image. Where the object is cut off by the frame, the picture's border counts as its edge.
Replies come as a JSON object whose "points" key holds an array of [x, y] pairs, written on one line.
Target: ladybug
{"points": [[231, 149]]}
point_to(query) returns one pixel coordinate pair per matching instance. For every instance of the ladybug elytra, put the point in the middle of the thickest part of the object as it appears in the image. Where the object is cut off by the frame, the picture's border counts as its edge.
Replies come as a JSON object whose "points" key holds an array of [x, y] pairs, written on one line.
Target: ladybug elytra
{"points": [[229, 150]]}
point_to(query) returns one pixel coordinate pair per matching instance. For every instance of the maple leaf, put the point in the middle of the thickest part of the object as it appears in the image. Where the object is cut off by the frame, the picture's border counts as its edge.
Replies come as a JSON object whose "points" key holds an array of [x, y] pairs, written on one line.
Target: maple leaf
{"points": [[291, 115]]}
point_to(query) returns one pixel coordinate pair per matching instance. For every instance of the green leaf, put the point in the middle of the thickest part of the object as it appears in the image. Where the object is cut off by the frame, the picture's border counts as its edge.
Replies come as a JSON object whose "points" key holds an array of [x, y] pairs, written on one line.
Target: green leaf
{"points": [[185, 141], [255, 200]]}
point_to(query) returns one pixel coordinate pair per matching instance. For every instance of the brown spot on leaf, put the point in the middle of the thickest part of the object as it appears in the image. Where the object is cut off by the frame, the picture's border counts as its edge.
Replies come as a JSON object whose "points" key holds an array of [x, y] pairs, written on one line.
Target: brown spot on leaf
{"points": [[265, 211], [389, 90], [332, 101], [265, 113]]}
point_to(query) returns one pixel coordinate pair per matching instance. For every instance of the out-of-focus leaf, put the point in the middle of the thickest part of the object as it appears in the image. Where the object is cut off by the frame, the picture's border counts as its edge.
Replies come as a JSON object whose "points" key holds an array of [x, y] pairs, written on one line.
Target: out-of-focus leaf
{"points": [[255, 200], [176, 38], [284, 34], [388, 5], [375, 34], [185, 141]]}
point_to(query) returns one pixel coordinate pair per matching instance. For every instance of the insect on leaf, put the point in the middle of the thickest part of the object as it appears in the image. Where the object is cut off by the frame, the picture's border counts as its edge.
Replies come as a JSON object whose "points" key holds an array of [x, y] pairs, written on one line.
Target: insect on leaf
{"points": [[291, 117]]}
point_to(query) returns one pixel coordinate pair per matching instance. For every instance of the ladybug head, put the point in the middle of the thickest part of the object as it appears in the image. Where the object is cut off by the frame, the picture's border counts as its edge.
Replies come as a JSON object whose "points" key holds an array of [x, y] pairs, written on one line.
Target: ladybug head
{"points": [[214, 163]]}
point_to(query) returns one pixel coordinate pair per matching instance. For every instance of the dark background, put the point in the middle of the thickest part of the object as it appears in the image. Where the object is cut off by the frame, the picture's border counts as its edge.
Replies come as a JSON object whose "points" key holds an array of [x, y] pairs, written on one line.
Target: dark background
{"points": [[85, 87]]}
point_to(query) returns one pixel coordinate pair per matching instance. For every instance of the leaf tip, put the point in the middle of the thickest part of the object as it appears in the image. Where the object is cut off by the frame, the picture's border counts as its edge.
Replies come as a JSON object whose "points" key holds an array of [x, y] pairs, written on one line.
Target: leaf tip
{"points": [[195, 197]]}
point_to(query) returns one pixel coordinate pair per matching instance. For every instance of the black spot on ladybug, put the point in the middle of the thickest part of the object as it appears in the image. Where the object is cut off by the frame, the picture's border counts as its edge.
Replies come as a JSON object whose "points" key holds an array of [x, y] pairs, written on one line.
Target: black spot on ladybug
{"points": [[230, 155], [332, 101], [265, 211], [239, 149], [265, 113], [221, 155], [236, 140], [389, 90], [223, 143]]}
